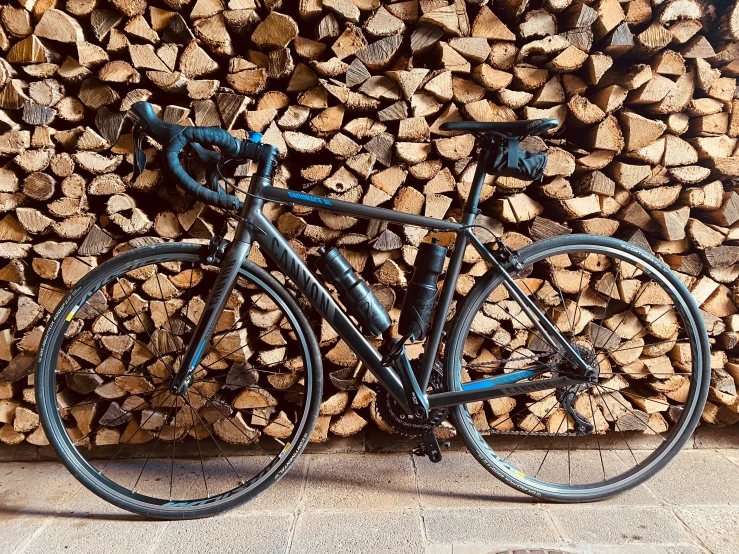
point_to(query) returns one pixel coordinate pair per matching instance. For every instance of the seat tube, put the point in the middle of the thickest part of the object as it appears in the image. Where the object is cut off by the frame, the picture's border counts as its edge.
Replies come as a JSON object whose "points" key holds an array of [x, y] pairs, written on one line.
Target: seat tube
{"points": [[473, 200], [455, 264]]}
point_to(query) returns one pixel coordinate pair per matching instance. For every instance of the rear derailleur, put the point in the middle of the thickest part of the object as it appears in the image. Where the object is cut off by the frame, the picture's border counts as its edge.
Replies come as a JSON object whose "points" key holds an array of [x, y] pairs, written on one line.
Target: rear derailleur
{"points": [[566, 396]]}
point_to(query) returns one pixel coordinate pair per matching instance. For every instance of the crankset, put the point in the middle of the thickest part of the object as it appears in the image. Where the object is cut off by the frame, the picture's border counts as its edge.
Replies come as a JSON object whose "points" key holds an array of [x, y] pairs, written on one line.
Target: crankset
{"points": [[408, 425]]}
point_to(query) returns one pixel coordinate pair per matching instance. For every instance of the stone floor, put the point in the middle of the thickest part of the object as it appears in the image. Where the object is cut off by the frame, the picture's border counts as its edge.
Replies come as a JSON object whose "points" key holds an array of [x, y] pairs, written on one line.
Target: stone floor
{"points": [[352, 502]]}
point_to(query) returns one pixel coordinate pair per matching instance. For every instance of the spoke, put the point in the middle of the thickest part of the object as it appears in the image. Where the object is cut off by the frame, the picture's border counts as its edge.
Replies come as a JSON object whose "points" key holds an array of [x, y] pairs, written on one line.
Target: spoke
{"points": [[200, 453], [105, 352], [98, 401], [146, 462], [238, 319], [541, 310], [123, 376], [656, 373], [251, 441], [250, 387], [257, 368], [264, 418], [562, 297], [638, 296], [164, 302], [138, 316], [615, 425], [609, 352], [189, 298], [233, 327], [214, 378], [645, 423], [116, 325], [597, 438], [239, 347], [187, 400], [92, 431], [608, 302], [637, 395], [579, 292], [129, 438], [535, 357], [512, 414], [551, 443], [501, 345], [520, 442]]}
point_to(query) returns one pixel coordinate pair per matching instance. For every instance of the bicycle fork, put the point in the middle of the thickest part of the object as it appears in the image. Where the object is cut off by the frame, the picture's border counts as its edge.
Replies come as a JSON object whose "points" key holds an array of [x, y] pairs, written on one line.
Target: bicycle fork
{"points": [[234, 256]]}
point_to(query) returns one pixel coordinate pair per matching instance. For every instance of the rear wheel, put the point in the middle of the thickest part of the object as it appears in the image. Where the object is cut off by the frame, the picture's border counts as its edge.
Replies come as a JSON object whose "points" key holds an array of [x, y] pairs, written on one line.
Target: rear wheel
{"points": [[627, 314], [108, 357]]}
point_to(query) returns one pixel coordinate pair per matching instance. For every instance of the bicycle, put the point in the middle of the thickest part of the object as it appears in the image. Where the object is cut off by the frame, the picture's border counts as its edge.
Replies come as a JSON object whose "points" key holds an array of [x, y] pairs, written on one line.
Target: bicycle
{"points": [[544, 340]]}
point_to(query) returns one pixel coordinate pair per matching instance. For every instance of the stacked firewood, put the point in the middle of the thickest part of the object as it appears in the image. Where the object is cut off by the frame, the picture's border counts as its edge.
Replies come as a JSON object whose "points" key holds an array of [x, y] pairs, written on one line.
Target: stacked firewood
{"points": [[353, 93]]}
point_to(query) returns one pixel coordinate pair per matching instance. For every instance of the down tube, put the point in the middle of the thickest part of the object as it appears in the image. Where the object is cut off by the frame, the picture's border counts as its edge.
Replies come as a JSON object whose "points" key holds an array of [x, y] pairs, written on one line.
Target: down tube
{"points": [[278, 249]]}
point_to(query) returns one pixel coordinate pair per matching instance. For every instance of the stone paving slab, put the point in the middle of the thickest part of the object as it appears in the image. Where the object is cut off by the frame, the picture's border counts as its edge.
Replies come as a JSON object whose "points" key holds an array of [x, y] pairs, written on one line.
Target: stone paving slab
{"points": [[618, 525], [359, 482], [716, 528], [358, 502], [506, 525], [266, 533], [692, 478], [355, 532]]}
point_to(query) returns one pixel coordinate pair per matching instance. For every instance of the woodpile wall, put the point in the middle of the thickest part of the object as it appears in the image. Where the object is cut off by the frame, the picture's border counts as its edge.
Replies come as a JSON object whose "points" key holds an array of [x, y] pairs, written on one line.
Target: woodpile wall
{"points": [[353, 92]]}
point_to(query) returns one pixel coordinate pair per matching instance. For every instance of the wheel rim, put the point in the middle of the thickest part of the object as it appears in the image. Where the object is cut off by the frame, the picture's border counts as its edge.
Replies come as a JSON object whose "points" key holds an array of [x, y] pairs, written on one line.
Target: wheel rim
{"points": [[531, 473], [233, 408]]}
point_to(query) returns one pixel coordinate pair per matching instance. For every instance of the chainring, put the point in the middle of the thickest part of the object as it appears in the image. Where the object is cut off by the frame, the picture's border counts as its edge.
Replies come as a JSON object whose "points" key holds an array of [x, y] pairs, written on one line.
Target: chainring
{"points": [[405, 424]]}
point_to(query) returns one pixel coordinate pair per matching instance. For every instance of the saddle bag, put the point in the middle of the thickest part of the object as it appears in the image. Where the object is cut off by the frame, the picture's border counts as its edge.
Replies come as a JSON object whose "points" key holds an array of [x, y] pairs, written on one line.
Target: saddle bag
{"points": [[509, 160]]}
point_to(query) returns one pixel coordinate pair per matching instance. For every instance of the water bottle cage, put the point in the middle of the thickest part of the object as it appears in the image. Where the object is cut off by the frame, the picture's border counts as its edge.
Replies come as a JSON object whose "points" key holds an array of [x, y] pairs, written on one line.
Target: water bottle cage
{"points": [[394, 349]]}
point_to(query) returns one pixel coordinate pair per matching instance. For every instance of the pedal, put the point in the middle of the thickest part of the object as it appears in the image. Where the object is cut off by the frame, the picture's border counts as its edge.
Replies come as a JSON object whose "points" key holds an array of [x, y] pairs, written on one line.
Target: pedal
{"points": [[431, 447]]}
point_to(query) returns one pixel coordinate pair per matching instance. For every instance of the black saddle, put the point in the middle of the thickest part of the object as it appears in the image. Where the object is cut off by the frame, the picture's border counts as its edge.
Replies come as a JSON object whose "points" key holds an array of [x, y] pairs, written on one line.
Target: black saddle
{"points": [[524, 128], [502, 156]]}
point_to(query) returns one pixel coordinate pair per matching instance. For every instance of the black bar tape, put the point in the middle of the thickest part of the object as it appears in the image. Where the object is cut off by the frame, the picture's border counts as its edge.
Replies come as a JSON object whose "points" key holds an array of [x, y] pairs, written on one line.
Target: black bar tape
{"points": [[174, 138], [171, 153]]}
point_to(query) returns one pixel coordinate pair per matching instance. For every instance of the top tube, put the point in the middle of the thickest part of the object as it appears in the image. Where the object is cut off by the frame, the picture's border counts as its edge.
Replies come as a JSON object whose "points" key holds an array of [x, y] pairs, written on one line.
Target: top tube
{"points": [[284, 196]]}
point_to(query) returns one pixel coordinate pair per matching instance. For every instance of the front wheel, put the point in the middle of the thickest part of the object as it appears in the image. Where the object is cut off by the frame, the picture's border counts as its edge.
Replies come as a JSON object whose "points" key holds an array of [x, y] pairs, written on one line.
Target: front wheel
{"points": [[632, 319], [109, 355]]}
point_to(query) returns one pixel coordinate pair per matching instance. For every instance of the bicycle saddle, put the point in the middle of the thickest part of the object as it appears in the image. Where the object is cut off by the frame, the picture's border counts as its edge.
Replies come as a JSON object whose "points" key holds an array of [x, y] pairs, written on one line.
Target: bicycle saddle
{"points": [[522, 128]]}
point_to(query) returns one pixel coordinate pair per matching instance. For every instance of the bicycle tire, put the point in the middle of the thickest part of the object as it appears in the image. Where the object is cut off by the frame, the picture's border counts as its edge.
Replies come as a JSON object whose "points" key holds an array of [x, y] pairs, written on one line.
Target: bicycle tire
{"points": [[681, 430], [83, 469]]}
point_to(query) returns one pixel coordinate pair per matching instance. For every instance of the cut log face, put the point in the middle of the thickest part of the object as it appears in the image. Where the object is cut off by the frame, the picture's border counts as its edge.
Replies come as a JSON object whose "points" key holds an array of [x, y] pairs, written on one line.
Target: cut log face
{"points": [[354, 93]]}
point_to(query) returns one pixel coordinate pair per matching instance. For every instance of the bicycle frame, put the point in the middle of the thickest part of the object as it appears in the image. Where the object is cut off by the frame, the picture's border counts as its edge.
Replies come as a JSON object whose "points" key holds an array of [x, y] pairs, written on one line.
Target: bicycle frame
{"points": [[255, 227]]}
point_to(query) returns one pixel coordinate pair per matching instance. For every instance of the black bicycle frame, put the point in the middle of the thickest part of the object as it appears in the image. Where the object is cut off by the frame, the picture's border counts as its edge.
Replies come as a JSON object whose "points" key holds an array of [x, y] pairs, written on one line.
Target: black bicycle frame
{"points": [[255, 227]]}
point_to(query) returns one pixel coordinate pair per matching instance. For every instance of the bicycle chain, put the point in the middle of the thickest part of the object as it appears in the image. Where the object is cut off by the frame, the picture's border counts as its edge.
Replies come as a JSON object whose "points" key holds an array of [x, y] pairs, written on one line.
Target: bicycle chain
{"points": [[533, 434], [398, 420]]}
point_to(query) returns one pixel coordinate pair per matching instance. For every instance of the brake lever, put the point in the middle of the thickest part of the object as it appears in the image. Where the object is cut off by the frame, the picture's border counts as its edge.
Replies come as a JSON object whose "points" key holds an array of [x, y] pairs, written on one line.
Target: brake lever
{"points": [[139, 156], [210, 160]]}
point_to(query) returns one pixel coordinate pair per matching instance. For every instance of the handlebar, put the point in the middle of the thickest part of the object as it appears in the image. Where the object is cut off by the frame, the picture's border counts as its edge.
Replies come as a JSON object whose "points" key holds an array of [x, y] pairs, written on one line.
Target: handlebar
{"points": [[174, 138]]}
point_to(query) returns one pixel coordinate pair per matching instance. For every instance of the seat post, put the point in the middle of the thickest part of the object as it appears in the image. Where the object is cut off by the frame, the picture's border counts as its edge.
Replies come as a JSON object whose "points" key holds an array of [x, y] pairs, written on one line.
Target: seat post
{"points": [[470, 207]]}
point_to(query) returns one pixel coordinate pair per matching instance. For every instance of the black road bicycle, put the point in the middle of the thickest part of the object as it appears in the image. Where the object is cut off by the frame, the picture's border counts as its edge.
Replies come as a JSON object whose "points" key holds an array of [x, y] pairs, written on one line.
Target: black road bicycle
{"points": [[220, 398]]}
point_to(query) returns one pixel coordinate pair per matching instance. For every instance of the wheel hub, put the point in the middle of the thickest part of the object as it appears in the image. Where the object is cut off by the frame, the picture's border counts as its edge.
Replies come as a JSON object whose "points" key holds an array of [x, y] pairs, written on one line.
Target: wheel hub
{"points": [[589, 356]]}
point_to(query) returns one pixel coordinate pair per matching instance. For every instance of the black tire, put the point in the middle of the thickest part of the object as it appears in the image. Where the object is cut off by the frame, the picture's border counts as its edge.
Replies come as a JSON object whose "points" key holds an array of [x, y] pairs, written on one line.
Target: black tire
{"points": [[680, 430], [82, 467]]}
